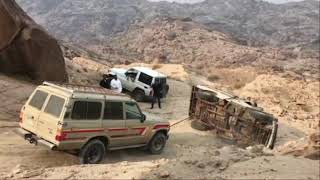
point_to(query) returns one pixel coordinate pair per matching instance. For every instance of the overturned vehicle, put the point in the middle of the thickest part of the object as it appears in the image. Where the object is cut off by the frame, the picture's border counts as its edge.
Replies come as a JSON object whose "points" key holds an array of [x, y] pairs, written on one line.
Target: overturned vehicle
{"points": [[231, 117]]}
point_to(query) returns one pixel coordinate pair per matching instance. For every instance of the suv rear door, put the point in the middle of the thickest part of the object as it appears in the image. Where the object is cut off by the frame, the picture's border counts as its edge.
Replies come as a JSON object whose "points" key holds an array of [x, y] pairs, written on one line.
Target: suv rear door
{"points": [[47, 124], [84, 121], [144, 82], [33, 109]]}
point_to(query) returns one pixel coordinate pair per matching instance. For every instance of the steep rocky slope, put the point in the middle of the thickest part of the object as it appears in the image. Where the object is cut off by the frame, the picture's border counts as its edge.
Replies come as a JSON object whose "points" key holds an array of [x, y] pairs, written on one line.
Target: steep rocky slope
{"points": [[26, 48], [252, 22]]}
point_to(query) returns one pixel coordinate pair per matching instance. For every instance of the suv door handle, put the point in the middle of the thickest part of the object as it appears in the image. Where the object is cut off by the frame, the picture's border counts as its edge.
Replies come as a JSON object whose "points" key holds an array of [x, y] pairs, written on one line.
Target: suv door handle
{"points": [[63, 124], [145, 87]]}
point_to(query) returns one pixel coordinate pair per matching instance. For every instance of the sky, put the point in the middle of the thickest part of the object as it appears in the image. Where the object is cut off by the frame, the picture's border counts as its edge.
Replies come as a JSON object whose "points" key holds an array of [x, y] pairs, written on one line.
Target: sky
{"points": [[194, 1]]}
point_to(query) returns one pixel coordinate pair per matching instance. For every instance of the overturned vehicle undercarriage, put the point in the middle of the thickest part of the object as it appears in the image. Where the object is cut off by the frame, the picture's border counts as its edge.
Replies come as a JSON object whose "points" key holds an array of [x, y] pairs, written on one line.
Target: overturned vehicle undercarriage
{"points": [[232, 118]]}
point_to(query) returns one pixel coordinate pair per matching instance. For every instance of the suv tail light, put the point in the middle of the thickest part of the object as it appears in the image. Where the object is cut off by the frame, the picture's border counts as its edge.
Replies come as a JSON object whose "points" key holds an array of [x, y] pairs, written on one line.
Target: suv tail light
{"points": [[61, 136], [21, 115], [151, 93]]}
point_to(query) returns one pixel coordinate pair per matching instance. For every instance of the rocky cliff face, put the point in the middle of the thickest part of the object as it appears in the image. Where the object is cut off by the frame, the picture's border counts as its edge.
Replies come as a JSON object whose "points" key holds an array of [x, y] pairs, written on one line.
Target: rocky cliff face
{"points": [[26, 48], [251, 22]]}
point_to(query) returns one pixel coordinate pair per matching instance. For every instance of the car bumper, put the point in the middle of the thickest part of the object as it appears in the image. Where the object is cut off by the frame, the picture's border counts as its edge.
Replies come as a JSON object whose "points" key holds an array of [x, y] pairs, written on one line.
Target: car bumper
{"points": [[33, 139]]}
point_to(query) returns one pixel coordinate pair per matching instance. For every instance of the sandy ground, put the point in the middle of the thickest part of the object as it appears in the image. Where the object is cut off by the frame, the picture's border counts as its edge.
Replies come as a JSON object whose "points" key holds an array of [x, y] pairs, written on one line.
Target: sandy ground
{"points": [[189, 153]]}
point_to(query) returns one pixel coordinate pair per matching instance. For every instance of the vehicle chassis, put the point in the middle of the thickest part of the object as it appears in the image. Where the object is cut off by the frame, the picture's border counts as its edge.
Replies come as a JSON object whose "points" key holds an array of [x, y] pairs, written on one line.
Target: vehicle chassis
{"points": [[230, 117]]}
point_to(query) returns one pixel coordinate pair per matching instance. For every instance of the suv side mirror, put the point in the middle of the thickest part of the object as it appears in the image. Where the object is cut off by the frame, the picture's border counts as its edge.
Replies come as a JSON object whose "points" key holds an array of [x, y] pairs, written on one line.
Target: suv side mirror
{"points": [[143, 118]]}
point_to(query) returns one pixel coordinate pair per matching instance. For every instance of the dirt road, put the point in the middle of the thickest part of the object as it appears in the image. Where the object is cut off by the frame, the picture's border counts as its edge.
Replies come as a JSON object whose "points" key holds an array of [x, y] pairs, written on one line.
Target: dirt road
{"points": [[189, 153]]}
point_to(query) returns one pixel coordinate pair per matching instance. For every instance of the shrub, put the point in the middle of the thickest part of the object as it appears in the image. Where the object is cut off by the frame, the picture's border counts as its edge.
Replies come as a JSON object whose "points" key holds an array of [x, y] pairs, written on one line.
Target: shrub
{"points": [[156, 66], [239, 85], [213, 77]]}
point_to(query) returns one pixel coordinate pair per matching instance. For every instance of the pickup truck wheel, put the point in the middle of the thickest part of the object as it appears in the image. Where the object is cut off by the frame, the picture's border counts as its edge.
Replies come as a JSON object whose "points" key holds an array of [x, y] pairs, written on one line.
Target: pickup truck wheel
{"points": [[138, 95], [93, 152], [157, 143]]}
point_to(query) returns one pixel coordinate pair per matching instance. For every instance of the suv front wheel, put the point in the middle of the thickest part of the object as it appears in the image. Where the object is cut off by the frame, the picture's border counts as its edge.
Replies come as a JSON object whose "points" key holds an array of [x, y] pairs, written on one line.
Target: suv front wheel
{"points": [[93, 152], [157, 143]]}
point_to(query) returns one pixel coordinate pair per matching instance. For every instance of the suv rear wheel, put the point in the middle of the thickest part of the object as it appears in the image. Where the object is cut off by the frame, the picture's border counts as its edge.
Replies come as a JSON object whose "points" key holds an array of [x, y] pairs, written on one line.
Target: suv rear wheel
{"points": [[138, 95], [93, 152], [157, 143]]}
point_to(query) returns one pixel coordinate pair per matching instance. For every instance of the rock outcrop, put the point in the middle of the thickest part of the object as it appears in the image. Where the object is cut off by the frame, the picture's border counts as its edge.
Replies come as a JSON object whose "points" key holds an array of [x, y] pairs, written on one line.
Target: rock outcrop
{"points": [[26, 48]]}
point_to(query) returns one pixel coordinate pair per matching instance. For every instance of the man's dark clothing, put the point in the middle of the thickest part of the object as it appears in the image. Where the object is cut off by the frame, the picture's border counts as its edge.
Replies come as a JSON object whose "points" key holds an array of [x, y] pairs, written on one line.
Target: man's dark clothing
{"points": [[105, 83], [156, 94]]}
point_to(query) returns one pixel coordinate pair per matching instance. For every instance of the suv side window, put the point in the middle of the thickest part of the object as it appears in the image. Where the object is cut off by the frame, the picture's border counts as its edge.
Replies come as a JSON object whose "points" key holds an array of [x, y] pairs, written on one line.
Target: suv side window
{"points": [[83, 110], [38, 99], [146, 79], [54, 106], [132, 111], [113, 111]]}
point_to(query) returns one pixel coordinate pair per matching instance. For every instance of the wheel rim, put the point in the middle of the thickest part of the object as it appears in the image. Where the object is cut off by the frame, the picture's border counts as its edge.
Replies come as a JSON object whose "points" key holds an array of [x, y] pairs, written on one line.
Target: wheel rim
{"points": [[94, 154], [158, 143]]}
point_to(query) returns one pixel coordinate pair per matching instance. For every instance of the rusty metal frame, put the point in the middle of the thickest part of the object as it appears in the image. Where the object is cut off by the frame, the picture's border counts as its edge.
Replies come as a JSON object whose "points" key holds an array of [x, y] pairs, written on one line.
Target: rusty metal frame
{"points": [[233, 126]]}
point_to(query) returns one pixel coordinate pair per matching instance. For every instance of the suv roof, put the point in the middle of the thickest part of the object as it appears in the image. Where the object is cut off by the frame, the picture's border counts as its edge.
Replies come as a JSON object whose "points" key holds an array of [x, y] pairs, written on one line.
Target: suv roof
{"points": [[149, 72], [78, 90]]}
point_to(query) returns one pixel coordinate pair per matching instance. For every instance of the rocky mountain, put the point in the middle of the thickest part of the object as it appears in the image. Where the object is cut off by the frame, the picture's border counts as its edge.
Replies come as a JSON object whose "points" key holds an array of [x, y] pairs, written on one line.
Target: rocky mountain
{"points": [[250, 22], [170, 40]]}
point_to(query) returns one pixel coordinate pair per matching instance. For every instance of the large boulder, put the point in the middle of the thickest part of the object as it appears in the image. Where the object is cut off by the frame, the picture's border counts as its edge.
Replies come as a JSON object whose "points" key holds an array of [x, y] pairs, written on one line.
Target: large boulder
{"points": [[26, 48]]}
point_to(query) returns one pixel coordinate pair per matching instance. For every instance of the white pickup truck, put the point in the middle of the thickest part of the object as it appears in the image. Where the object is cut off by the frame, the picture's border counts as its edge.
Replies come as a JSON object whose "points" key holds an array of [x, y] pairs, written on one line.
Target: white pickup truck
{"points": [[138, 81]]}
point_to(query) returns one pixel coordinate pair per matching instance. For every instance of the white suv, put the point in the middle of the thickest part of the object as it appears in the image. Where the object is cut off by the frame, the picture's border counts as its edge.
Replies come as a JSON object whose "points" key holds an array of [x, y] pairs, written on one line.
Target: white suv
{"points": [[138, 81]]}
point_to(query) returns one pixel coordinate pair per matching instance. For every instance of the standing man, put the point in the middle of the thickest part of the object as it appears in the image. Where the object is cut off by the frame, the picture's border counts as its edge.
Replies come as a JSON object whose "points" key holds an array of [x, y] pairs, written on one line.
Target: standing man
{"points": [[156, 89], [116, 84]]}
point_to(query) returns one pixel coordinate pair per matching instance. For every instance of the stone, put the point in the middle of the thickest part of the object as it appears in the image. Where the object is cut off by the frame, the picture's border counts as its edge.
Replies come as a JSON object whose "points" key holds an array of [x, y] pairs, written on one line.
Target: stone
{"points": [[194, 162], [30, 174], [201, 165], [257, 149], [17, 169], [164, 174], [26, 48], [216, 153], [235, 159], [187, 161]]}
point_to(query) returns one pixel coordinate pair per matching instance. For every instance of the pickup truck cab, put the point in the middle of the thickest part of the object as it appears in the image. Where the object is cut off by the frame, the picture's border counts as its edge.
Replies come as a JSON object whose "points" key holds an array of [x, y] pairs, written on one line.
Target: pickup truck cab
{"points": [[138, 81], [88, 120]]}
